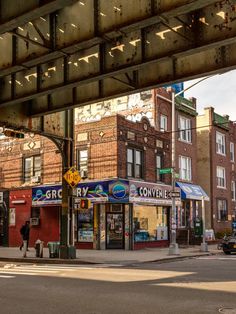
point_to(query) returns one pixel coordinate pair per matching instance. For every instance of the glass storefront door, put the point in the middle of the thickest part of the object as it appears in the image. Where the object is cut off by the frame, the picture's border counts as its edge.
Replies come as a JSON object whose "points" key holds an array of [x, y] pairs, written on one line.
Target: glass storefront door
{"points": [[115, 230]]}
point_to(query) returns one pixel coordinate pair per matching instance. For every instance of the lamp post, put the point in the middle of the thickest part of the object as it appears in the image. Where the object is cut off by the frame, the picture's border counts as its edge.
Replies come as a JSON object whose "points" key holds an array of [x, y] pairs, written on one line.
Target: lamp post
{"points": [[204, 246], [173, 248]]}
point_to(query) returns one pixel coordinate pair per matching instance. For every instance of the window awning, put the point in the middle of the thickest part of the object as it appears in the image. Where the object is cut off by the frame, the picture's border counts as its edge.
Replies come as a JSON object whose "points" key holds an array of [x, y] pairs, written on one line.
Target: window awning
{"points": [[192, 191]]}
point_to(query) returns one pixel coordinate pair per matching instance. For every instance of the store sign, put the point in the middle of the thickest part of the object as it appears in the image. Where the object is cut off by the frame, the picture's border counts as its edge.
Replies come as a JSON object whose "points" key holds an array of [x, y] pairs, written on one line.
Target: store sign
{"points": [[104, 191], [119, 191], [95, 191], [143, 192], [47, 195]]}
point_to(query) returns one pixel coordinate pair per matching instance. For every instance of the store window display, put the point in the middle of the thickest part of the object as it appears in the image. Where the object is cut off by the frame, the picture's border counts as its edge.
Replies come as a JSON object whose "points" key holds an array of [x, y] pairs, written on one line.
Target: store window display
{"points": [[150, 223]]}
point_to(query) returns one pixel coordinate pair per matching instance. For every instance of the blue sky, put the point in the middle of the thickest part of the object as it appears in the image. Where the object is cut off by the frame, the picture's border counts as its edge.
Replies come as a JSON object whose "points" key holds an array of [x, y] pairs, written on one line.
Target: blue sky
{"points": [[218, 91]]}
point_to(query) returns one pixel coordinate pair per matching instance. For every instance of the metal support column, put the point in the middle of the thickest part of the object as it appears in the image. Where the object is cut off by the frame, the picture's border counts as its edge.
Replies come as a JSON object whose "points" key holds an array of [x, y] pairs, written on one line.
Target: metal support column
{"points": [[67, 249]]}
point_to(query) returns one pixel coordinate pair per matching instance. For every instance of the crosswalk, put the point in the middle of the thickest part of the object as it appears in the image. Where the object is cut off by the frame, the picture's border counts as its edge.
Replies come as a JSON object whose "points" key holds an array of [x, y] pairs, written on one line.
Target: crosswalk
{"points": [[9, 271], [218, 257]]}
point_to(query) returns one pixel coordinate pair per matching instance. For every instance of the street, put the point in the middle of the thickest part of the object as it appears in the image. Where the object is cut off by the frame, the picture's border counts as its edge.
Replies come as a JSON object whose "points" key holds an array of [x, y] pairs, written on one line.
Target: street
{"points": [[199, 285]]}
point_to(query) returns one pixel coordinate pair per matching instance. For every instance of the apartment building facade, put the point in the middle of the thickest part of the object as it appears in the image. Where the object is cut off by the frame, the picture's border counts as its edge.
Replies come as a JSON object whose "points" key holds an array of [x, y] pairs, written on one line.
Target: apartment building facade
{"points": [[185, 137], [216, 167]]}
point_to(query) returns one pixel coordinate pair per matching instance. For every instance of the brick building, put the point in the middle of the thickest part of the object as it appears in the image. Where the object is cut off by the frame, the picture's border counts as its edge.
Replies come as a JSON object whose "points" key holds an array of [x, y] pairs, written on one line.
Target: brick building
{"points": [[216, 167], [26, 163], [114, 152], [185, 158]]}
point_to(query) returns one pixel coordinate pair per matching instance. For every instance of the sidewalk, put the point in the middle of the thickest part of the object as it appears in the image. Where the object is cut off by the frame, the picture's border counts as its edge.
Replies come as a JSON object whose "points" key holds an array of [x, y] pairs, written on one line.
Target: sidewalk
{"points": [[119, 257]]}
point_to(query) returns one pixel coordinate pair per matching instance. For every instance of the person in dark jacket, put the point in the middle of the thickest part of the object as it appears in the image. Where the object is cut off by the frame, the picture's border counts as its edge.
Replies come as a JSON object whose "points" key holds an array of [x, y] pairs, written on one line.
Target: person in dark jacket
{"points": [[25, 232]]}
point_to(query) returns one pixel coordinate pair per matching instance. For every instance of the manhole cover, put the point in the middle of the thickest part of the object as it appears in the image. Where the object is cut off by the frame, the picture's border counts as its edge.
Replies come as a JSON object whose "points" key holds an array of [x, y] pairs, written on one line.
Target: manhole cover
{"points": [[227, 310]]}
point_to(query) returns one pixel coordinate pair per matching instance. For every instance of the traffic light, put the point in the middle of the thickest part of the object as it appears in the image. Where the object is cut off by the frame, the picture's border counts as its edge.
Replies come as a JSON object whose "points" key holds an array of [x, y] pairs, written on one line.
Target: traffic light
{"points": [[85, 203], [10, 133]]}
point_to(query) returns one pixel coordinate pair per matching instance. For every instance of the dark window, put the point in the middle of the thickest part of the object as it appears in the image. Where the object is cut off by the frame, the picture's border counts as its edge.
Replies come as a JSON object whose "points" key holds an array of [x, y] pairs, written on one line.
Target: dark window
{"points": [[134, 163], [222, 210], [32, 169], [35, 212]]}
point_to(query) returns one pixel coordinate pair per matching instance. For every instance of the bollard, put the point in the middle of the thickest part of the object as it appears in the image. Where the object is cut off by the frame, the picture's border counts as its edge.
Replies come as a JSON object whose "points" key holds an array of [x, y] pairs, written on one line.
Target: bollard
{"points": [[24, 248], [39, 248]]}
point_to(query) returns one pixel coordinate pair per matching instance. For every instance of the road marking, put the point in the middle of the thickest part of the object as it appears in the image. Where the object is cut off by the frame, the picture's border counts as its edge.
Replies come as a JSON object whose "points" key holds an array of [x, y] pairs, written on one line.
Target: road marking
{"points": [[5, 276]]}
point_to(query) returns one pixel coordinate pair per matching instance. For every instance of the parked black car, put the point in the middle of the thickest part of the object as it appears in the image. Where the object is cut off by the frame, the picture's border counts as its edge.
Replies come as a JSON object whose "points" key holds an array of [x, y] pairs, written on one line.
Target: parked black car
{"points": [[229, 244]]}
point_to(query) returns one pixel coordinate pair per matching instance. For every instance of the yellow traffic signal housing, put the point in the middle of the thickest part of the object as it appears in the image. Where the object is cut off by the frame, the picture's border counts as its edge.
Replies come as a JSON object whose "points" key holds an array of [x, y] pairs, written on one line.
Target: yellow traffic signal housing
{"points": [[85, 203]]}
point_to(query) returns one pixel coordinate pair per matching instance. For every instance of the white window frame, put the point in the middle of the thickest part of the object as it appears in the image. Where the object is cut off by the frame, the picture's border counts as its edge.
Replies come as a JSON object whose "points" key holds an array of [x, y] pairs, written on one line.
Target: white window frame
{"points": [[222, 206], [233, 194], [159, 160], [221, 177], [220, 143], [185, 168], [185, 133], [163, 123], [232, 152], [32, 170]]}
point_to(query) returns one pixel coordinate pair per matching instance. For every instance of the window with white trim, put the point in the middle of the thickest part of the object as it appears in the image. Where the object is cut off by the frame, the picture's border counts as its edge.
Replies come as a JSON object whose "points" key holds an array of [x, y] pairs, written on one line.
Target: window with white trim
{"points": [[185, 129], [82, 162], [220, 175], [222, 210], [32, 169], [163, 123], [231, 151], [220, 143], [185, 171], [158, 167], [134, 163], [233, 190]]}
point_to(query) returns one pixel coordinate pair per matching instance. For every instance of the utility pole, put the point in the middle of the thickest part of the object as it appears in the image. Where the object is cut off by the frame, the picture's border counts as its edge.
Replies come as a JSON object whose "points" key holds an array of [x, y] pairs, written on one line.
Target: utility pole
{"points": [[204, 246], [173, 248]]}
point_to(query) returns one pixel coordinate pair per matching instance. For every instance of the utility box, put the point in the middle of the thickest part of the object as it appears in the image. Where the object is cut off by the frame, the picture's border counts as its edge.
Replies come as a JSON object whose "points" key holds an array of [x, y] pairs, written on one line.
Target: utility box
{"points": [[53, 249], [198, 229]]}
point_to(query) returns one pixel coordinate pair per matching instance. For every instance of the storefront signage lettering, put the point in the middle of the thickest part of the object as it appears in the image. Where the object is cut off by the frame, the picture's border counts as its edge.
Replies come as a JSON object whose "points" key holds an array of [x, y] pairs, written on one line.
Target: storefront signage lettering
{"points": [[54, 194], [47, 195], [82, 192], [152, 192]]}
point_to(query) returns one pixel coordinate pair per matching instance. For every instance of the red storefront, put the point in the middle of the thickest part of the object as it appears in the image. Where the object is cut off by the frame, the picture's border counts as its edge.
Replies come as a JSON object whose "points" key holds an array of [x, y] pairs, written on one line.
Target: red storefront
{"points": [[44, 219]]}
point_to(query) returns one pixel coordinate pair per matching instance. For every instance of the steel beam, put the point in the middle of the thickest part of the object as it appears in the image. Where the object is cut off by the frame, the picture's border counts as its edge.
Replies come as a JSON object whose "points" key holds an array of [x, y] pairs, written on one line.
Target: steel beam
{"points": [[30, 14], [133, 50]]}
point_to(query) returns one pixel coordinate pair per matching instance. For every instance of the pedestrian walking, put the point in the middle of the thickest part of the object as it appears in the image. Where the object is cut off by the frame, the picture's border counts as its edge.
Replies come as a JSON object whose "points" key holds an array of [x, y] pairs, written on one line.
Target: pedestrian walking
{"points": [[25, 232]]}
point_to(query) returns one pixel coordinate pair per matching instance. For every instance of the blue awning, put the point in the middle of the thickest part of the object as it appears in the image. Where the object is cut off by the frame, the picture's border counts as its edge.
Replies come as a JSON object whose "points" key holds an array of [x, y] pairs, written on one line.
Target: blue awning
{"points": [[192, 191]]}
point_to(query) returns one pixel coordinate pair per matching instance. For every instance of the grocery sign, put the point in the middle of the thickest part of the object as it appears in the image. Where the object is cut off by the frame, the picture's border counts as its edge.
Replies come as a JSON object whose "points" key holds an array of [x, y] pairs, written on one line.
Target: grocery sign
{"points": [[47, 195]]}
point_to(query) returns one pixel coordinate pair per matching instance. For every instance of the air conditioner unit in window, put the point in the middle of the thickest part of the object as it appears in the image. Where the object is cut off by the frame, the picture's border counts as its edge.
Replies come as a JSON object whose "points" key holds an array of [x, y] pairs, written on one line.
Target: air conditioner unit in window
{"points": [[34, 221], [35, 179], [83, 174]]}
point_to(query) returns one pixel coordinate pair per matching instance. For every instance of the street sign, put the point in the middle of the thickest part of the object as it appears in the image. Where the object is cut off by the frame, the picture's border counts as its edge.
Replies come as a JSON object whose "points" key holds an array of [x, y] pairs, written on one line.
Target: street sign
{"points": [[165, 170], [72, 177], [175, 194]]}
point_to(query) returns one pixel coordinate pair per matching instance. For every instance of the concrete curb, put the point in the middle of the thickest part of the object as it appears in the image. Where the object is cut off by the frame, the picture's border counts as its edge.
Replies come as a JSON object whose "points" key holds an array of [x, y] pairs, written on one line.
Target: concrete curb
{"points": [[31, 260]]}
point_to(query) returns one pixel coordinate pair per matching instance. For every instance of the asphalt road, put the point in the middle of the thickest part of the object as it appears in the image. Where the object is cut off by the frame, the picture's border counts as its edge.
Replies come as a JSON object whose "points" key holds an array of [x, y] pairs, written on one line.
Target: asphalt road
{"points": [[200, 285]]}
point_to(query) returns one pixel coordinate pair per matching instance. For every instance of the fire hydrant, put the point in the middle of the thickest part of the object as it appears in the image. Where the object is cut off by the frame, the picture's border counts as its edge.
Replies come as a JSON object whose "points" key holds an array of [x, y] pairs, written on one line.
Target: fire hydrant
{"points": [[39, 248]]}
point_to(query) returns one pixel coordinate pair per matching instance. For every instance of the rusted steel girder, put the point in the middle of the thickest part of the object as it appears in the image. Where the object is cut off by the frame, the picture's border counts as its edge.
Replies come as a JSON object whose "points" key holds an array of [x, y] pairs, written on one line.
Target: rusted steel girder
{"points": [[94, 50]]}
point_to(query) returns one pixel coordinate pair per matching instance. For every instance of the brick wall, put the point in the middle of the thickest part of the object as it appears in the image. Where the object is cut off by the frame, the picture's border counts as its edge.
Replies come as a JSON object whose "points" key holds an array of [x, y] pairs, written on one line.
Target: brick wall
{"points": [[107, 141]]}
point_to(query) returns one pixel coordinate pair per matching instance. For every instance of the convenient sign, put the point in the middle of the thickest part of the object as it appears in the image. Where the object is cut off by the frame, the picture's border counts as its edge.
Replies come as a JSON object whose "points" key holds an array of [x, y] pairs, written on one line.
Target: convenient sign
{"points": [[72, 177], [146, 192], [165, 170]]}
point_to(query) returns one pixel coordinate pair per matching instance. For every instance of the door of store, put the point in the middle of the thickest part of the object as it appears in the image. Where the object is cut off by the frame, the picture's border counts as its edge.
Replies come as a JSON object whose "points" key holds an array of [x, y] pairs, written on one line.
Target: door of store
{"points": [[115, 231], [3, 222]]}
